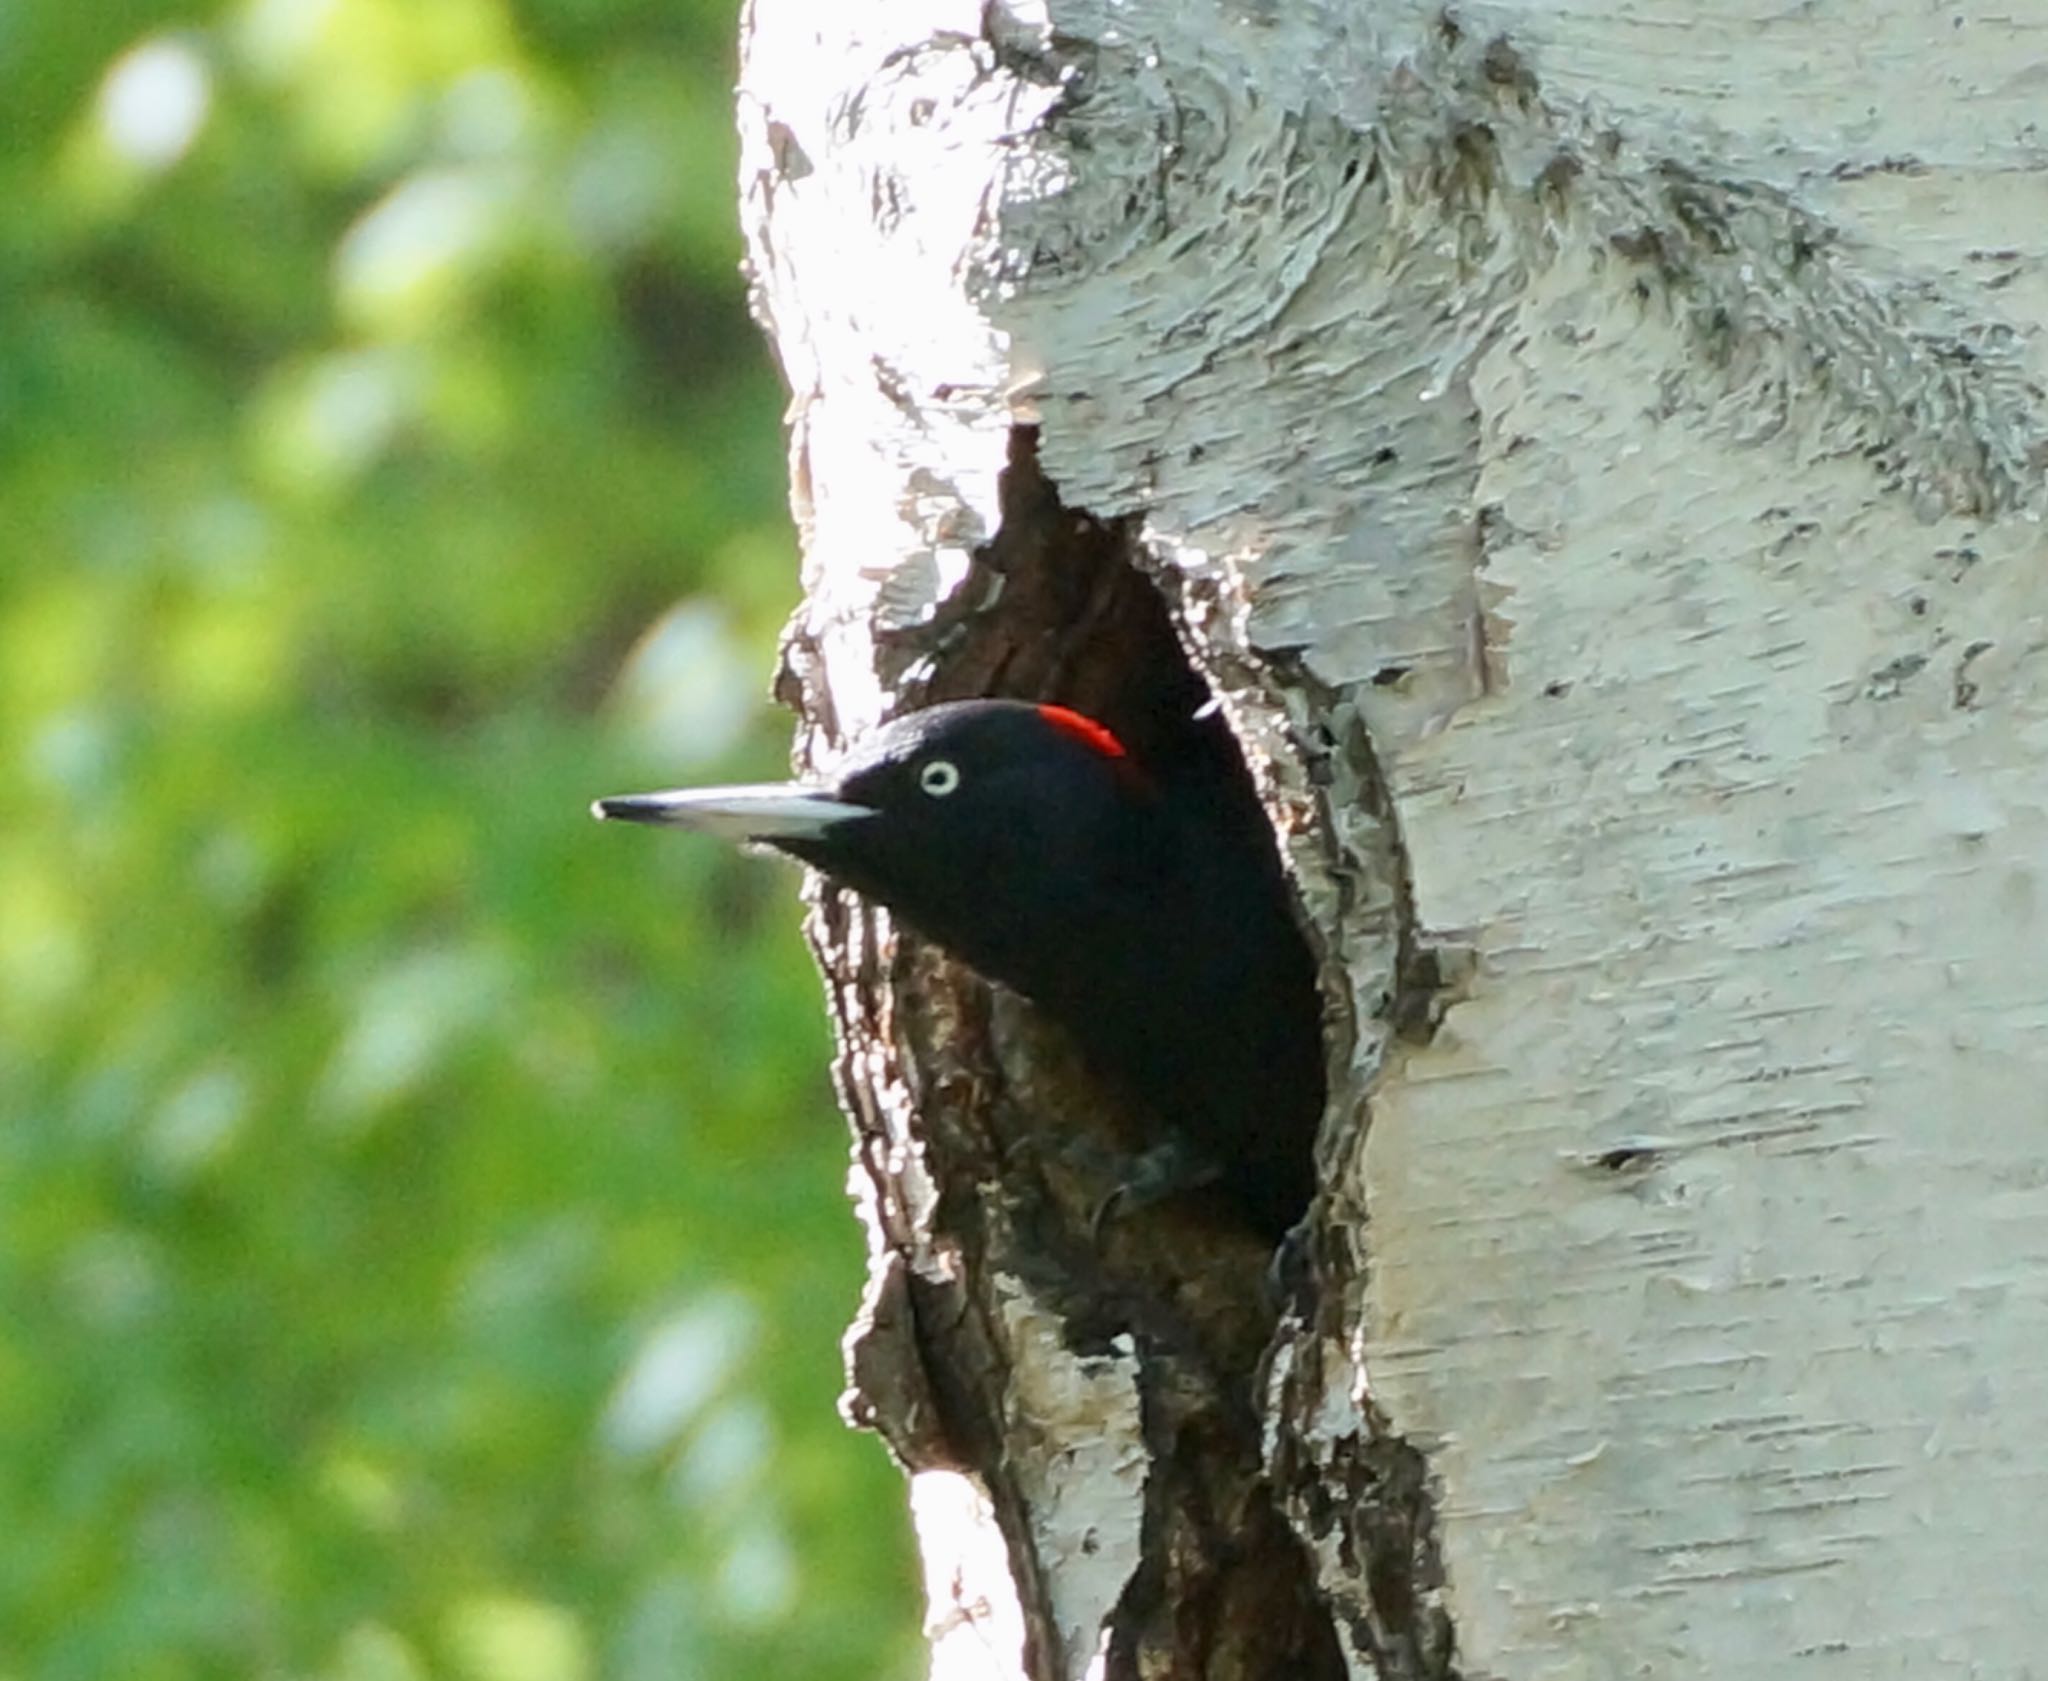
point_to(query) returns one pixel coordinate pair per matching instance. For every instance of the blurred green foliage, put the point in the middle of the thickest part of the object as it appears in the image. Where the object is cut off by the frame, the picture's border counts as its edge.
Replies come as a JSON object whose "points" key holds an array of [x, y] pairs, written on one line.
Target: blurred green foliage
{"points": [[422, 1248]]}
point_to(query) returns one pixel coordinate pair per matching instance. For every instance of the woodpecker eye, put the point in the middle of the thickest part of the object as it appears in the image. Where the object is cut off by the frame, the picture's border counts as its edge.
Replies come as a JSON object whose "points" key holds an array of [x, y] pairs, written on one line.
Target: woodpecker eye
{"points": [[939, 778]]}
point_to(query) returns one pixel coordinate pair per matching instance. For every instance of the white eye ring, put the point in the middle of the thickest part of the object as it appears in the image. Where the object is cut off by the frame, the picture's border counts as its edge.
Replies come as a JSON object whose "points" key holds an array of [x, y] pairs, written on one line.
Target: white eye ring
{"points": [[939, 778]]}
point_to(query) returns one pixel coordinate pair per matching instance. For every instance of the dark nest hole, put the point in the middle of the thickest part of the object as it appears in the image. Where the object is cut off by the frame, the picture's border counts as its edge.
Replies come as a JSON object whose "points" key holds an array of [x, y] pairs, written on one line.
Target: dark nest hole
{"points": [[1060, 610]]}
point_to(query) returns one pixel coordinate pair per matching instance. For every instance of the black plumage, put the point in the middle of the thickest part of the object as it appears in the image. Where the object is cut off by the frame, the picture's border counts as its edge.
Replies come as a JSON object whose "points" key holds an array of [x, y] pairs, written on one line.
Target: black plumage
{"points": [[1147, 914]]}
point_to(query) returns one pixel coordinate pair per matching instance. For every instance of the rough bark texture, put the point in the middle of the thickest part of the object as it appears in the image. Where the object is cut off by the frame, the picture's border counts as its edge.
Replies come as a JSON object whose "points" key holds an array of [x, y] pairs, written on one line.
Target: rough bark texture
{"points": [[1595, 456]]}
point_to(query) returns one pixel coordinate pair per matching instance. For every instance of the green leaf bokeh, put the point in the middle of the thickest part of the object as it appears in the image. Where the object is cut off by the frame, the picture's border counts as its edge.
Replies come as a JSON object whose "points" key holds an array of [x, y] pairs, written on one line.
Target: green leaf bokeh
{"points": [[422, 1248]]}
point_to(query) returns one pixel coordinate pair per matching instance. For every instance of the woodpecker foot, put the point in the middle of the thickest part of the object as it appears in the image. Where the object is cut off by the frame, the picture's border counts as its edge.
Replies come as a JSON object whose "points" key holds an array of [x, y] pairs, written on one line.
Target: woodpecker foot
{"points": [[1290, 1273], [1164, 1171]]}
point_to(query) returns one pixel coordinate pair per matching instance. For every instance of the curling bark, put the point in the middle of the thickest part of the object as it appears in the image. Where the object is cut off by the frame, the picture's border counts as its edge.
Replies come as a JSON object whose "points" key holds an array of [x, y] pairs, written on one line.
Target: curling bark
{"points": [[1606, 501]]}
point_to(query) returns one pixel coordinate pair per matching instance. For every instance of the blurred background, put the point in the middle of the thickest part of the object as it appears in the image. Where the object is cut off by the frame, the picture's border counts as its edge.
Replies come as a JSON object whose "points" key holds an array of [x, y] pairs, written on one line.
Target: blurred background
{"points": [[422, 1240]]}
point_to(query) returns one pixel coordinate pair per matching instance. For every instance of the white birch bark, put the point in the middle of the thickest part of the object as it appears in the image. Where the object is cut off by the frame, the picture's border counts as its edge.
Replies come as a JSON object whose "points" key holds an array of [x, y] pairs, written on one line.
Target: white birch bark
{"points": [[1597, 450]]}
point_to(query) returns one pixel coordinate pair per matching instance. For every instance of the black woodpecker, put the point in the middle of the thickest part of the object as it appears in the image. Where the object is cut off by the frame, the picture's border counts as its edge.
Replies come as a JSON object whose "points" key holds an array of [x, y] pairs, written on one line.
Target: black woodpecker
{"points": [[1148, 916]]}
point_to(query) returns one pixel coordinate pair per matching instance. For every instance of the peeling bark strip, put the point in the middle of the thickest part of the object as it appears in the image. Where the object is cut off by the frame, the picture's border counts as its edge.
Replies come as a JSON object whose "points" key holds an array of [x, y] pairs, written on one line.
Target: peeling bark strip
{"points": [[1595, 454]]}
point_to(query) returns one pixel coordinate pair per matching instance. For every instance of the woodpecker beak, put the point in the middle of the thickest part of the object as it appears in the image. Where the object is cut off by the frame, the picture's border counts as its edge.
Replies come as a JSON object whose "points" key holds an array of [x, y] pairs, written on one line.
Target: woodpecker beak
{"points": [[759, 811]]}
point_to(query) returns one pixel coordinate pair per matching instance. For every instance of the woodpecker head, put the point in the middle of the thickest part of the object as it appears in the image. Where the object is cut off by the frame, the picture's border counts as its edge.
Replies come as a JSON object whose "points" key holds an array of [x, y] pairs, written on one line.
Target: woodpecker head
{"points": [[1148, 917], [990, 826]]}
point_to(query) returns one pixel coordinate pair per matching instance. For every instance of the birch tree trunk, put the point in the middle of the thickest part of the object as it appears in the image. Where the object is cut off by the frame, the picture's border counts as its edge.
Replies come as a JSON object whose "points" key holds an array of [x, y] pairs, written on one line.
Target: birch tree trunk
{"points": [[1594, 453]]}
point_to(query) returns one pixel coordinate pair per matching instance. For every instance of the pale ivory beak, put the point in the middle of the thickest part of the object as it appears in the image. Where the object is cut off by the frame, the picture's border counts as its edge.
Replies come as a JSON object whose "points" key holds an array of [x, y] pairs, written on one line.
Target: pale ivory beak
{"points": [[757, 811]]}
